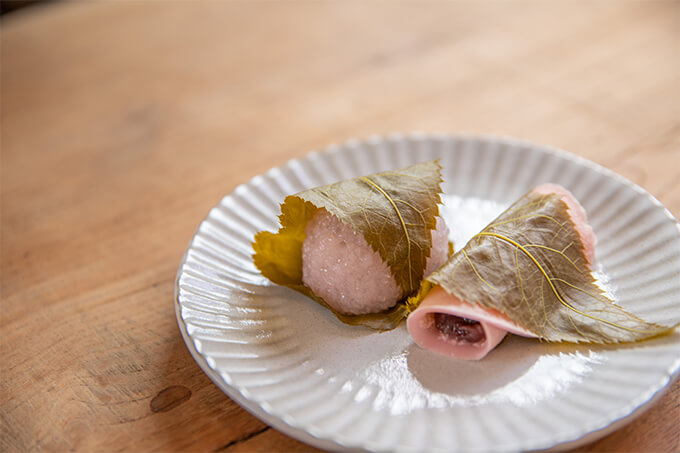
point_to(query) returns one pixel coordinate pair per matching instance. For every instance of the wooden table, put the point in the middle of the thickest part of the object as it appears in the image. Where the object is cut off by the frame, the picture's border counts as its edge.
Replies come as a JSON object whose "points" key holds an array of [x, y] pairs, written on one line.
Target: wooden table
{"points": [[123, 123]]}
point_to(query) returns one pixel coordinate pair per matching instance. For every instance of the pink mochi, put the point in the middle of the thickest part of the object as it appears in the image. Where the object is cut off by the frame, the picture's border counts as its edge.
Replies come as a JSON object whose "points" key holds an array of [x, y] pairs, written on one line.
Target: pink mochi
{"points": [[343, 269], [479, 330]]}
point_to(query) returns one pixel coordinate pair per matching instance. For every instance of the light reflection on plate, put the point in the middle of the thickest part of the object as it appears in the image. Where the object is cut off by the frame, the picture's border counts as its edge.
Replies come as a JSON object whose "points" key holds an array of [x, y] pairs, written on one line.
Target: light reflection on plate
{"points": [[429, 380]]}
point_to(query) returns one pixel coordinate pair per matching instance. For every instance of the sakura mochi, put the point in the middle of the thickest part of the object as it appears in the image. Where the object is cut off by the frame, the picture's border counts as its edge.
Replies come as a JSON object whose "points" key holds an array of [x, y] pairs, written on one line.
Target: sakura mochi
{"points": [[527, 273], [360, 247]]}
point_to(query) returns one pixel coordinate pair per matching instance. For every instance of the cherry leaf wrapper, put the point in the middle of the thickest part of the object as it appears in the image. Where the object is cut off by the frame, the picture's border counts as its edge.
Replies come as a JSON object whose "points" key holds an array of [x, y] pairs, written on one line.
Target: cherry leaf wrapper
{"points": [[395, 211], [528, 272]]}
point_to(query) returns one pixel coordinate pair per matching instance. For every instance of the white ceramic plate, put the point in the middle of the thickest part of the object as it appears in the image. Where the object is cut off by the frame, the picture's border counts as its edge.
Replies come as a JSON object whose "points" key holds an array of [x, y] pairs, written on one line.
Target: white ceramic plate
{"points": [[292, 364]]}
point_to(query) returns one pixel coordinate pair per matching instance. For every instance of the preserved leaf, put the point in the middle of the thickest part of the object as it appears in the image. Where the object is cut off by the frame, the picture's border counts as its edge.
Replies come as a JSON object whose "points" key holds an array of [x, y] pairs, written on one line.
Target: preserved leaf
{"points": [[395, 211], [530, 264]]}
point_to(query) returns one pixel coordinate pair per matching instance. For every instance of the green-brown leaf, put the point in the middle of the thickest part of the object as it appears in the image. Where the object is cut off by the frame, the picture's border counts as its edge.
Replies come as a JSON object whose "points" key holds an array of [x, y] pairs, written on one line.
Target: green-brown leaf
{"points": [[395, 211], [529, 263]]}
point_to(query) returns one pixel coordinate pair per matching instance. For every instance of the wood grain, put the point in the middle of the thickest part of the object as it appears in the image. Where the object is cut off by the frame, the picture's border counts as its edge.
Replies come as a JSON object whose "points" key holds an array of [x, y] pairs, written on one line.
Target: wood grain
{"points": [[123, 123]]}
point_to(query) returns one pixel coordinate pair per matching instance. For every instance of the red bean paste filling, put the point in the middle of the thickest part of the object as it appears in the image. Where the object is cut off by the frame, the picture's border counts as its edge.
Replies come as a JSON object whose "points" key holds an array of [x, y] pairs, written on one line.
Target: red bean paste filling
{"points": [[462, 330]]}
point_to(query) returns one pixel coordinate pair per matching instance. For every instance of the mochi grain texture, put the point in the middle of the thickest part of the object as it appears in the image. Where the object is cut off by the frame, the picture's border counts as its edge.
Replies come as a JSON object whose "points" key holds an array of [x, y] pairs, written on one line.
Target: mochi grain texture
{"points": [[339, 266]]}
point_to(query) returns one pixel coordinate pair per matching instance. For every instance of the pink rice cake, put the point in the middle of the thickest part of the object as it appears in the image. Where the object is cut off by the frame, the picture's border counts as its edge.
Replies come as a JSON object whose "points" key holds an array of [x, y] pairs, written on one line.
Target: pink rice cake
{"points": [[343, 269], [476, 330]]}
